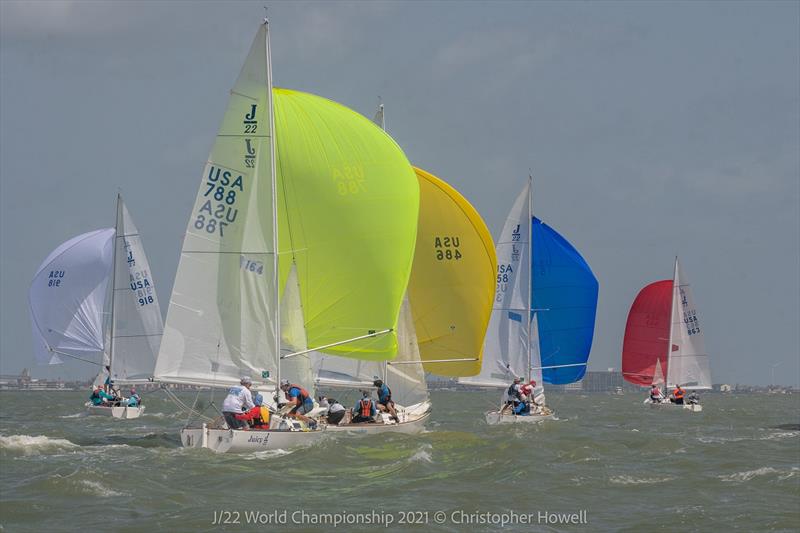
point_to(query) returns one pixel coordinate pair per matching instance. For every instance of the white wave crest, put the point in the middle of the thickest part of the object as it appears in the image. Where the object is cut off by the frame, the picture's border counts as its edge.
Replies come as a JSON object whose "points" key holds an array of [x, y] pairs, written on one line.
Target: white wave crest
{"points": [[34, 445], [630, 480], [266, 454], [76, 415], [747, 475], [781, 435], [98, 489], [422, 455]]}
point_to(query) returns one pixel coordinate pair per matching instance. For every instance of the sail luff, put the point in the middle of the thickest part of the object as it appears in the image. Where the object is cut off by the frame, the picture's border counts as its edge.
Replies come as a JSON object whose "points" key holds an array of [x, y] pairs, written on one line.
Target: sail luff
{"points": [[114, 280], [528, 316]]}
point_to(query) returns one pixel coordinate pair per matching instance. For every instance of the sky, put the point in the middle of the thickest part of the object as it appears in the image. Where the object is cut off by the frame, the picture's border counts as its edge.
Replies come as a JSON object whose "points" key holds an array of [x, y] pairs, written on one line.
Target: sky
{"points": [[651, 129]]}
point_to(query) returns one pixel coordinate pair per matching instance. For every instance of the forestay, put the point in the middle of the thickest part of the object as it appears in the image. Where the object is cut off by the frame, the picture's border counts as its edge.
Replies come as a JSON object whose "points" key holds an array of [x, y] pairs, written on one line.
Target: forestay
{"points": [[67, 298]]}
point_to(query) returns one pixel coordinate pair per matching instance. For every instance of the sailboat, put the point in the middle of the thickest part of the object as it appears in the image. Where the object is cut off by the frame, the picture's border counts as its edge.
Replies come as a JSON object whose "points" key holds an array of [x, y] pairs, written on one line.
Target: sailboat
{"points": [[300, 240], [69, 297], [444, 316], [550, 283], [664, 343]]}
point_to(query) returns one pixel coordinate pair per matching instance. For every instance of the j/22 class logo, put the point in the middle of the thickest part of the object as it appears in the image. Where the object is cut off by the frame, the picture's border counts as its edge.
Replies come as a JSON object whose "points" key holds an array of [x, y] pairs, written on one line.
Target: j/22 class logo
{"points": [[219, 209]]}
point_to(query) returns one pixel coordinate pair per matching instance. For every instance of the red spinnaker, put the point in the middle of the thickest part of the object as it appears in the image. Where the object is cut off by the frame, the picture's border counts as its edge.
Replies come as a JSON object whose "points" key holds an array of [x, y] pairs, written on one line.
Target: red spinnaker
{"points": [[647, 333]]}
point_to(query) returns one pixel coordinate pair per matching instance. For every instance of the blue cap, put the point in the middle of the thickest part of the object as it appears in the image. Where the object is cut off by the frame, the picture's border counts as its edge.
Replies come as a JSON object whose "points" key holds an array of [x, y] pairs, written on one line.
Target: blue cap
{"points": [[258, 400]]}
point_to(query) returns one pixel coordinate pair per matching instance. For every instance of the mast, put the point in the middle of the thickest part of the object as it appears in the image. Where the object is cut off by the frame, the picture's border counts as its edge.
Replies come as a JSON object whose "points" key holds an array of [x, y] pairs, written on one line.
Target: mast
{"points": [[114, 285], [530, 275], [671, 324], [274, 182]]}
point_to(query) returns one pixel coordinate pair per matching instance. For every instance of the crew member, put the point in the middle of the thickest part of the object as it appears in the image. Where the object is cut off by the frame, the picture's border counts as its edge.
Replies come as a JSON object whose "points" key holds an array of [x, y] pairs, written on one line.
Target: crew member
{"points": [[302, 401], [365, 410], [238, 399], [258, 416], [678, 394], [385, 403], [655, 394]]}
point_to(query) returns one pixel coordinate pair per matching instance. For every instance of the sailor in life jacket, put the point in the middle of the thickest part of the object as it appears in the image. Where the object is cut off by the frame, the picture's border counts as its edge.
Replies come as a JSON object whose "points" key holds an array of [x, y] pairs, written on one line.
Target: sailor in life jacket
{"points": [[302, 401], [385, 403], [258, 416], [134, 400], [365, 410], [238, 399], [693, 398], [677, 395], [526, 391], [655, 394]]}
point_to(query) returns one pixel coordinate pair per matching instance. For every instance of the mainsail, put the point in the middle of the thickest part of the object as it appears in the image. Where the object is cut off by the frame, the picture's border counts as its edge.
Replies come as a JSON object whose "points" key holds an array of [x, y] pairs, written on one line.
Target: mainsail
{"points": [[452, 281], [67, 298], [688, 360], [506, 352], [136, 316]]}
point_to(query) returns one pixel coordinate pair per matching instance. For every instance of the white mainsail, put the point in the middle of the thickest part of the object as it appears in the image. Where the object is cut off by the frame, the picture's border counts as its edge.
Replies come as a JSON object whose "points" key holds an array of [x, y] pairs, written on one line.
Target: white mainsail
{"points": [[67, 298], [136, 324], [688, 361], [222, 318], [506, 349]]}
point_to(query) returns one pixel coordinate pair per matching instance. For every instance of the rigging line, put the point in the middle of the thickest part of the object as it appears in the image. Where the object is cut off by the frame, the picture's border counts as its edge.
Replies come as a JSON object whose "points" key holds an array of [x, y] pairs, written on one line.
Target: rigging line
{"points": [[368, 335], [74, 357]]}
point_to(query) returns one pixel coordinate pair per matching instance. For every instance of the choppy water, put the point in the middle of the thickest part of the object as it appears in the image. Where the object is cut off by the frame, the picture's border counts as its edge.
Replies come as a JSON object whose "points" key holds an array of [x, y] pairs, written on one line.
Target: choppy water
{"points": [[631, 468]]}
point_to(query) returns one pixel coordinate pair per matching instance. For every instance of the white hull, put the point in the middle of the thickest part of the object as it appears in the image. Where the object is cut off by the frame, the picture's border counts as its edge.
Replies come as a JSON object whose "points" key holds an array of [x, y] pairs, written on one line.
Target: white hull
{"points": [[494, 418], [121, 411], [242, 441], [693, 407], [412, 421]]}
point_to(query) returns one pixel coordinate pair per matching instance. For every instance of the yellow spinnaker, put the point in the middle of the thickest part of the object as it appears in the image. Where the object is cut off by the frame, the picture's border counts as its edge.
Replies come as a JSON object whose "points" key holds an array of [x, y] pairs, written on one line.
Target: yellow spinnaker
{"points": [[453, 279], [348, 204]]}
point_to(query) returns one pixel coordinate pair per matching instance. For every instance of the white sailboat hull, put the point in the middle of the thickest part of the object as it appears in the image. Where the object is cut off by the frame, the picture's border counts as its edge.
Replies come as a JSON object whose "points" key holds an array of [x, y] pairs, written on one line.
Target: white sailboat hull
{"points": [[494, 418], [693, 407], [244, 441], [412, 422], [122, 411]]}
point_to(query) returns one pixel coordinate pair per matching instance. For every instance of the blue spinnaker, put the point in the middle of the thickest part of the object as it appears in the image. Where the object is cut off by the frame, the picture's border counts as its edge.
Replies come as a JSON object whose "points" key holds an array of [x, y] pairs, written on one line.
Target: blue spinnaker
{"points": [[565, 300]]}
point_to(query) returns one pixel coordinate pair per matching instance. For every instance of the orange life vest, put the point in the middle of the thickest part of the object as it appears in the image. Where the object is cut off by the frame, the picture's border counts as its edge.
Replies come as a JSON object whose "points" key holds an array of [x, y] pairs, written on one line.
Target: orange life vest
{"points": [[303, 393], [678, 393], [366, 407]]}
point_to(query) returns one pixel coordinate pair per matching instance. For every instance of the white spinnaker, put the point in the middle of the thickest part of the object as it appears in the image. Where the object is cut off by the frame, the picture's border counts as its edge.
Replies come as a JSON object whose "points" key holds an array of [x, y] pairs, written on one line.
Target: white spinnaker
{"points": [[222, 321], [505, 353], [688, 361], [293, 334], [138, 326], [658, 373], [67, 298], [405, 374], [407, 381]]}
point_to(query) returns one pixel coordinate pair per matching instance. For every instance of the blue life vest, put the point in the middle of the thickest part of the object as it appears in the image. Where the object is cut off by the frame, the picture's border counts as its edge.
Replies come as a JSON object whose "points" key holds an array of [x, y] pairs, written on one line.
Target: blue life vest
{"points": [[384, 394]]}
